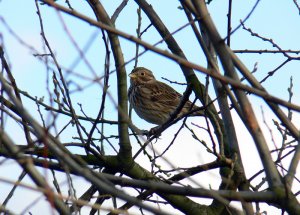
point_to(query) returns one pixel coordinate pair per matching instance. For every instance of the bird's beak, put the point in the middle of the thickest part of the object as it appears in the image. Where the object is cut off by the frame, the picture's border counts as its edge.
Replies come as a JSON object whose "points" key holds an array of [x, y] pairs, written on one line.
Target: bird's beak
{"points": [[132, 75]]}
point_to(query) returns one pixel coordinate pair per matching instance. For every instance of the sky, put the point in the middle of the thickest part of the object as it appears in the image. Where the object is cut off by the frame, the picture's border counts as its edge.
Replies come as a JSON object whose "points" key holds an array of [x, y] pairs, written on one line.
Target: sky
{"points": [[278, 20]]}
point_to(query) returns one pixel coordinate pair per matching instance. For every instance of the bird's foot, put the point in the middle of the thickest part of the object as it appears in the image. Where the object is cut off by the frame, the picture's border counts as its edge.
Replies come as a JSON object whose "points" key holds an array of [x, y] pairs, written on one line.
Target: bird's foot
{"points": [[153, 132]]}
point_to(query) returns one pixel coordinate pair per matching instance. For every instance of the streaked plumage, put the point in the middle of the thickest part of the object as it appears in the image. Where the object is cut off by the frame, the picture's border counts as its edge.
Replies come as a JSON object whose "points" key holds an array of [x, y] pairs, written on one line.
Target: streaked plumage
{"points": [[153, 100]]}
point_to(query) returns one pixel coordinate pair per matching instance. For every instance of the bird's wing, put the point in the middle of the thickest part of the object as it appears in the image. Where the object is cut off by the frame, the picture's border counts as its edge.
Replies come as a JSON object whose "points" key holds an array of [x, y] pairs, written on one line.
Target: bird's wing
{"points": [[164, 94]]}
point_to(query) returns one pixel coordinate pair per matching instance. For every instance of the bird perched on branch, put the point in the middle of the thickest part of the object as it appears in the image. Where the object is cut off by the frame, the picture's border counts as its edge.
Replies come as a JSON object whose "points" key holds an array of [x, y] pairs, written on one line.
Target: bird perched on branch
{"points": [[155, 101]]}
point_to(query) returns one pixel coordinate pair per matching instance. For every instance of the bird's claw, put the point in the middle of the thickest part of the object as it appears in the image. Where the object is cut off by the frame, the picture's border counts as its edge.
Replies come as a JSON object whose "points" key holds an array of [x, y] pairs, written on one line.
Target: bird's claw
{"points": [[153, 132]]}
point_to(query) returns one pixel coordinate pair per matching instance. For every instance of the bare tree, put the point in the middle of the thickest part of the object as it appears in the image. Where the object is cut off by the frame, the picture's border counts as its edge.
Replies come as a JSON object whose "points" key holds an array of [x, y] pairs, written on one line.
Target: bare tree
{"points": [[58, 141]]}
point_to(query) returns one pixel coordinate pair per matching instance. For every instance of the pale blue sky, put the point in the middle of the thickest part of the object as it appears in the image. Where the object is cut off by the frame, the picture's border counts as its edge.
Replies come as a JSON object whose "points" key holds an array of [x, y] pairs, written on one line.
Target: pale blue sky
{"points": [[278, 20]]}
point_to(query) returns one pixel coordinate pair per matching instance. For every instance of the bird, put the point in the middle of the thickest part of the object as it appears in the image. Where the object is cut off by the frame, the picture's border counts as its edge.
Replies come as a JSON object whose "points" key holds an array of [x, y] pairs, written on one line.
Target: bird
{"points": [[155, 101]]}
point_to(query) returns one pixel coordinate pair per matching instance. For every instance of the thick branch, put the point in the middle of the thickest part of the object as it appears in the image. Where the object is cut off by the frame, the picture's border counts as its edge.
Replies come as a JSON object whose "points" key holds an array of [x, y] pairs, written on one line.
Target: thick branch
{"points": [[251, 122], [125, 147]]}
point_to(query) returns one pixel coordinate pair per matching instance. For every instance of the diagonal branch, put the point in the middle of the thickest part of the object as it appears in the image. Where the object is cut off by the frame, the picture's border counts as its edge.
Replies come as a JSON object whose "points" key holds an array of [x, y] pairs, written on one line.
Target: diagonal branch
{"points": [[273, 177], [250, 120], [176, 58], [29, 167], [17, 93]]}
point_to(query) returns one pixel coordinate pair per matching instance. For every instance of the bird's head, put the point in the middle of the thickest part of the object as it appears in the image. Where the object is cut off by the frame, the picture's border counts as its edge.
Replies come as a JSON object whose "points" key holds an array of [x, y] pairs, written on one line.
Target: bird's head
{"points": [[141, 75]]}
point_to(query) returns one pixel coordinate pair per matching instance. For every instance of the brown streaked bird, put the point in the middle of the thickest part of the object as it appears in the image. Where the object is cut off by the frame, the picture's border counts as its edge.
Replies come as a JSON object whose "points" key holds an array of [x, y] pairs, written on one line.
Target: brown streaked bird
{"points": [[152, 100]]}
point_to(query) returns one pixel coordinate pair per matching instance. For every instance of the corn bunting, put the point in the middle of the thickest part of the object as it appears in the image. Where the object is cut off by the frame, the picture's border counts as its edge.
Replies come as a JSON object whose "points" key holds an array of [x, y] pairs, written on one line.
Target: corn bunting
{"points": [[152, 100]]}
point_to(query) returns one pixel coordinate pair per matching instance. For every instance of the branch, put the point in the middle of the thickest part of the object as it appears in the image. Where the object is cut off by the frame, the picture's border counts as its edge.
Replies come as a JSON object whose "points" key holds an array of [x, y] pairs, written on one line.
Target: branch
{"points": [[272, 174], [125, 147], [67, 159], [14, 85], [266, 51], [181, 61], [28, 166], [293, 166], [252, 124]]}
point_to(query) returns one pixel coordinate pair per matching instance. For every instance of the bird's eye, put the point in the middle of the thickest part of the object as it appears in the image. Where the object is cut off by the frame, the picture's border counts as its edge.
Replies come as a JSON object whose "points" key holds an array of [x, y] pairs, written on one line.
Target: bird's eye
{"points": [[142, 73]]}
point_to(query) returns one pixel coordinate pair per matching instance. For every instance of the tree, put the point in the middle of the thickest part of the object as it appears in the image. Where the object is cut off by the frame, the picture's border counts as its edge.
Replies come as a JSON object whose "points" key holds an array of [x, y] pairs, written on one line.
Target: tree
{"points": [[72, 122]]}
